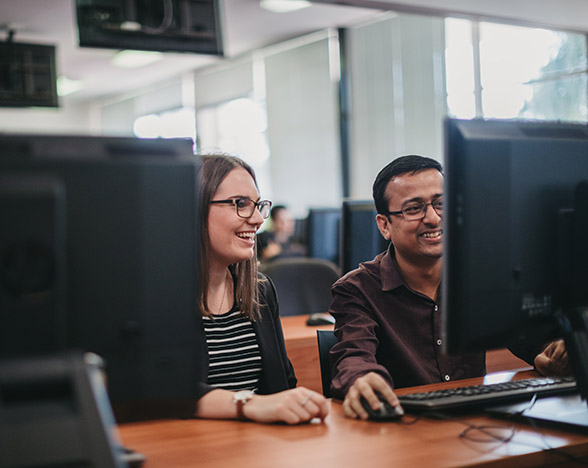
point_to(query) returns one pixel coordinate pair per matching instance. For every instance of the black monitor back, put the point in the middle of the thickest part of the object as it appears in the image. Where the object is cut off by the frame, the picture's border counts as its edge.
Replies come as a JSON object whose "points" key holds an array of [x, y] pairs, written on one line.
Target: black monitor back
{"points": [[323, 233], [99, 249], [508, 224], [361, 239]]}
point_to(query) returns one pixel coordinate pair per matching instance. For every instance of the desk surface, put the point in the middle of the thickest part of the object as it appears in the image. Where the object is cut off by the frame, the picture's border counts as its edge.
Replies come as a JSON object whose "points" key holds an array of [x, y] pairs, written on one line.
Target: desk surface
{"points": [[341, 442], [295, 328]]}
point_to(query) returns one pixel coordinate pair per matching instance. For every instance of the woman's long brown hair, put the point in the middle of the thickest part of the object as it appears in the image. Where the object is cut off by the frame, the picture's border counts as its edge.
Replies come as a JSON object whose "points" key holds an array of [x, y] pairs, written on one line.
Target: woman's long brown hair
{"points": [[213, 170]]}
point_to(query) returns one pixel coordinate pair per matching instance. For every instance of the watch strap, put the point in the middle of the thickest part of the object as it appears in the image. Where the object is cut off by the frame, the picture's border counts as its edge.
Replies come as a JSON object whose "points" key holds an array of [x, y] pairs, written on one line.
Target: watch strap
{"points": [[240, 404], [240, 399]]}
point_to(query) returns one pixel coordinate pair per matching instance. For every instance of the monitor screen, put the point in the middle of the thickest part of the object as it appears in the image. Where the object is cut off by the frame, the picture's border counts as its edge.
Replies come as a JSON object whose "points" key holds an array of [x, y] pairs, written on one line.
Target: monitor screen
{"points": [[323, 233], [361, 239], [515, 254], [152, 25], [99, 249], [300, 235]]}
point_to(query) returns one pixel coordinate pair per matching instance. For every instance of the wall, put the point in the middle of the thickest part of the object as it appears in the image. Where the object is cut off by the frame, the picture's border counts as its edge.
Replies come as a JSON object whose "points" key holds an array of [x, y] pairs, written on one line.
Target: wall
{"points": [[118, 114], [303, 132], [397, 94], [70, 118], [297, 81]]}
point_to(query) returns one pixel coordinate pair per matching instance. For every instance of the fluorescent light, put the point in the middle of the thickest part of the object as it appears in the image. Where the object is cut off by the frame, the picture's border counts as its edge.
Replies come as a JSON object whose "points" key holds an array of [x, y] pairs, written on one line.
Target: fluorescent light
{"points": [[66, 86], [135, 58], [283, 6]]}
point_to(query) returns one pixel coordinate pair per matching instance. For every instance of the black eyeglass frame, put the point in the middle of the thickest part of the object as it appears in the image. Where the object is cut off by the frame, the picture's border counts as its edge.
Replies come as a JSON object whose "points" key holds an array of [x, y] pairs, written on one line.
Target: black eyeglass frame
{"points": [[260, 205], [423, 211]]}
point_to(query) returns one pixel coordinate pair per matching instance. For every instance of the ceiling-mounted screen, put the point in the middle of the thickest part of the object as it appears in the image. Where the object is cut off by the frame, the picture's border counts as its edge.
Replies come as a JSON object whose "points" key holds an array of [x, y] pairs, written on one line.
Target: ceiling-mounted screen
{"points": [[154, 25], [27, 75]]}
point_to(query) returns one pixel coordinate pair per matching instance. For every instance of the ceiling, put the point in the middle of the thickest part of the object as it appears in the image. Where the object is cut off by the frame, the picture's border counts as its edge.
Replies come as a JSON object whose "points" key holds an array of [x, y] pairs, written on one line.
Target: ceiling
{"points": [[245, 26]]}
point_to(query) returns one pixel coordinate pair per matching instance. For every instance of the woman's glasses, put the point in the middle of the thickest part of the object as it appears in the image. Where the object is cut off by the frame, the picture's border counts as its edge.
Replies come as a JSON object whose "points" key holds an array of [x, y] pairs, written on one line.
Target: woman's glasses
{"points": [[246, 206]]}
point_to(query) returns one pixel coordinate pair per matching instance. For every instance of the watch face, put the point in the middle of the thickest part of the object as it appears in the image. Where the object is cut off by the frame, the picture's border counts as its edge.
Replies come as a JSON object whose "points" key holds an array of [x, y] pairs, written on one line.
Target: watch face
{"points": [[244, 395]]}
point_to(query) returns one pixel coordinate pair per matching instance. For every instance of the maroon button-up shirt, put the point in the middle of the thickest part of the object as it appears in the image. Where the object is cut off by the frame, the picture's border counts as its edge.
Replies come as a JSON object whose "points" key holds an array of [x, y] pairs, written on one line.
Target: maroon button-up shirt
{"points": [[383, 326]]}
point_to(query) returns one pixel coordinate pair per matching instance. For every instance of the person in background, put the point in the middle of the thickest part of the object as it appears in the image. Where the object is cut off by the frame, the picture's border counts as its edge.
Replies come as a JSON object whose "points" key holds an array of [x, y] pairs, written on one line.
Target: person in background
{"points": [[278, 242], [245, 372], [388, 311]]}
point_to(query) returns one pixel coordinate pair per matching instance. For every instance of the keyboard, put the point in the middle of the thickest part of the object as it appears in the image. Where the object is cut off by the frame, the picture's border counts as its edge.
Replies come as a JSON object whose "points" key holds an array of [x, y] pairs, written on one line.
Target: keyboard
{"points": [[485, 395]]}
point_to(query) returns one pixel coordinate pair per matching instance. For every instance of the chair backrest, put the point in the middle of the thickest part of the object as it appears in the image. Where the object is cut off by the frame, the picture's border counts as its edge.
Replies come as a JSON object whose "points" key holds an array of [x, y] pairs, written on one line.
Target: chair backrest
{"points": [[326, 339], [303, 284]]}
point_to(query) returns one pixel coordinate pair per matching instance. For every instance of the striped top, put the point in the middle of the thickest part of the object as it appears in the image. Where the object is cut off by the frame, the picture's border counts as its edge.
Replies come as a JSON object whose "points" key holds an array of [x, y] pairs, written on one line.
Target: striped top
{"points": [[233, 352]]}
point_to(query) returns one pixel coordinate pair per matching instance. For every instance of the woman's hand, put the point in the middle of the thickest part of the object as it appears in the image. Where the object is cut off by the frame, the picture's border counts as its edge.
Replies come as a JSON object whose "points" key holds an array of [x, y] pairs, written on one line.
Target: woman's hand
{"points": [[294, 406]]}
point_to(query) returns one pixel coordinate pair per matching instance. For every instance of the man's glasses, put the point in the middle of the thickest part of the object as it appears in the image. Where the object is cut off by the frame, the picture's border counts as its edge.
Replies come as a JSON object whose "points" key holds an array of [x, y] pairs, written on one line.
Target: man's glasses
{"points": [[417, 211], [246, 206]]}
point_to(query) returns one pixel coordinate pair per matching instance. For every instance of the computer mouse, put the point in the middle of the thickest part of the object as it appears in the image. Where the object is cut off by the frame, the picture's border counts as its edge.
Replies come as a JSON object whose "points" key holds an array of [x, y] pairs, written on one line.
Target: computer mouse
{"points": [[320, 318], [387, 412]]}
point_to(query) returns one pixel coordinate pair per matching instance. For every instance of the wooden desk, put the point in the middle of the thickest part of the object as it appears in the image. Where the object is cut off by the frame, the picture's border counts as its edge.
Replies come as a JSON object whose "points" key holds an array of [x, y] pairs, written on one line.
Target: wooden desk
{"points": [[500, 360], [302, 349], [342, 443]]}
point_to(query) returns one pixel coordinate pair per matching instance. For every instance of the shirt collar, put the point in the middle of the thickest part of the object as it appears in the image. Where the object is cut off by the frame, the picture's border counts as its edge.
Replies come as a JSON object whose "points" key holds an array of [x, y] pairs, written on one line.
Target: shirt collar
{"points": [[391, 278], [390, 275]]}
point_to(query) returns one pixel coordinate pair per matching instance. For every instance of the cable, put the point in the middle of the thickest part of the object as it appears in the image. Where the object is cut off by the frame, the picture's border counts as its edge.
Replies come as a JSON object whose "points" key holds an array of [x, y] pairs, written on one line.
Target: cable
{"points": [[495, 433], [489, 430], [548, 447]]}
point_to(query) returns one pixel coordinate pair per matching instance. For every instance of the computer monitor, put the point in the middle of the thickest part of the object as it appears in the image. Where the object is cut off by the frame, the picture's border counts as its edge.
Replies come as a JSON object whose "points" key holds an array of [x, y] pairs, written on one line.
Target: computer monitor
{"points": [[99, 252], [323, 233], [515, 223], [361, 239], [300, 234]]}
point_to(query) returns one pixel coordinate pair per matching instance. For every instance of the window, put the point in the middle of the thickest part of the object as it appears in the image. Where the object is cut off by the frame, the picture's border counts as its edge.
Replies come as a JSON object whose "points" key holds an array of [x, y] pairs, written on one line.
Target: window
{"points": [[177, 123], [502, 71], [239, 127]]}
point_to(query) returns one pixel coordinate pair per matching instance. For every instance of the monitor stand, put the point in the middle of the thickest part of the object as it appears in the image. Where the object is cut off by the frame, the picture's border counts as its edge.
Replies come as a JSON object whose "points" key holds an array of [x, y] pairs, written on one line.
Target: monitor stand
{"points": [[566, 411], [54, 411]]}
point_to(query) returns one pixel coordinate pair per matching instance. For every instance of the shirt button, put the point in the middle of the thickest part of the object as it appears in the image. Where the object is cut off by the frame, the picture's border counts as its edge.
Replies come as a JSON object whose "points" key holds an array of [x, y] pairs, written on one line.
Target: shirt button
{"points": [[436, 308], [439, 342], [447, 378]]}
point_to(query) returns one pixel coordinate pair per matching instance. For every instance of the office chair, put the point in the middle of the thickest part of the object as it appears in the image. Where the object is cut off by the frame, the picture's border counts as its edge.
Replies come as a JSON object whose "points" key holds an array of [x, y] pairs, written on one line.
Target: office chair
{"points": [[326, 339], [303, 284]]}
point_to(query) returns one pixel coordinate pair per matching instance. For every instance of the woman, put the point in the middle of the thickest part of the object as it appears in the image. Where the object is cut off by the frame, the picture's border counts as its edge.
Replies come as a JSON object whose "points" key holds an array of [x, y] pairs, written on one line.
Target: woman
{"points": [[248, 374]]}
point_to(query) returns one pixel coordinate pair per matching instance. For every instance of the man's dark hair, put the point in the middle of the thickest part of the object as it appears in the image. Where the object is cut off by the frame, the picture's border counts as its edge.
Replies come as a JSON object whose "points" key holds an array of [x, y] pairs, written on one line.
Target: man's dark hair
{"points": [[402, 165], [276, 209]]}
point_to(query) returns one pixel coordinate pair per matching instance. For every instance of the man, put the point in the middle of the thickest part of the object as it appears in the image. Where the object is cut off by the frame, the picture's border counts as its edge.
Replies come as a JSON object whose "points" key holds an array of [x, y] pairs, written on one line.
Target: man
{"points": [[278, 242], [388, 311]]}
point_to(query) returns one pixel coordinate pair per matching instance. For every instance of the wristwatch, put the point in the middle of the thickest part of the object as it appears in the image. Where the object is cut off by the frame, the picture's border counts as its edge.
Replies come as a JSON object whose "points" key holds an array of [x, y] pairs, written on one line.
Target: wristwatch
{"points": [[240, 398]]}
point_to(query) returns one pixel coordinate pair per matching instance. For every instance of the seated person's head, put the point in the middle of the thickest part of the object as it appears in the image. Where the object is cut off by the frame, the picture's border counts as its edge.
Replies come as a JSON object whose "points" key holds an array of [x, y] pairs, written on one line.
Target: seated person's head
{"points": [[282, 221], [408, 194], [231, 214]]}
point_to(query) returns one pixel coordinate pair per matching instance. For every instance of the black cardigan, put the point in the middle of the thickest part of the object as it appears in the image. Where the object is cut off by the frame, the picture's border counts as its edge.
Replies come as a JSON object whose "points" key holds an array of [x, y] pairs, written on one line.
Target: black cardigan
{"points": [[277, 372]]}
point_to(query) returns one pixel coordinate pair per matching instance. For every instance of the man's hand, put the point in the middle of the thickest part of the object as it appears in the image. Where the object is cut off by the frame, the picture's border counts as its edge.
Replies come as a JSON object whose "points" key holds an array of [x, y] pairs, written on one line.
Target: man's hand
{"points": [[553, 360], [367, 386]]}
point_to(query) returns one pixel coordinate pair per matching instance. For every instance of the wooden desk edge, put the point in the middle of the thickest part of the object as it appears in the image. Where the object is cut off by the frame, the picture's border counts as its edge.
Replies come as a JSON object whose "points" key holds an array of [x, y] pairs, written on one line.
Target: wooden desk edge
{"points": [[343, 442]]}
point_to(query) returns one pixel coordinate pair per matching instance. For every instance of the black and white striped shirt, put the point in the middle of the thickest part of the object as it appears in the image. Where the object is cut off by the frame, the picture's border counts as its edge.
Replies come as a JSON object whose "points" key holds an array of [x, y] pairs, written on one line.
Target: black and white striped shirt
{"points": [[233, 352]]}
